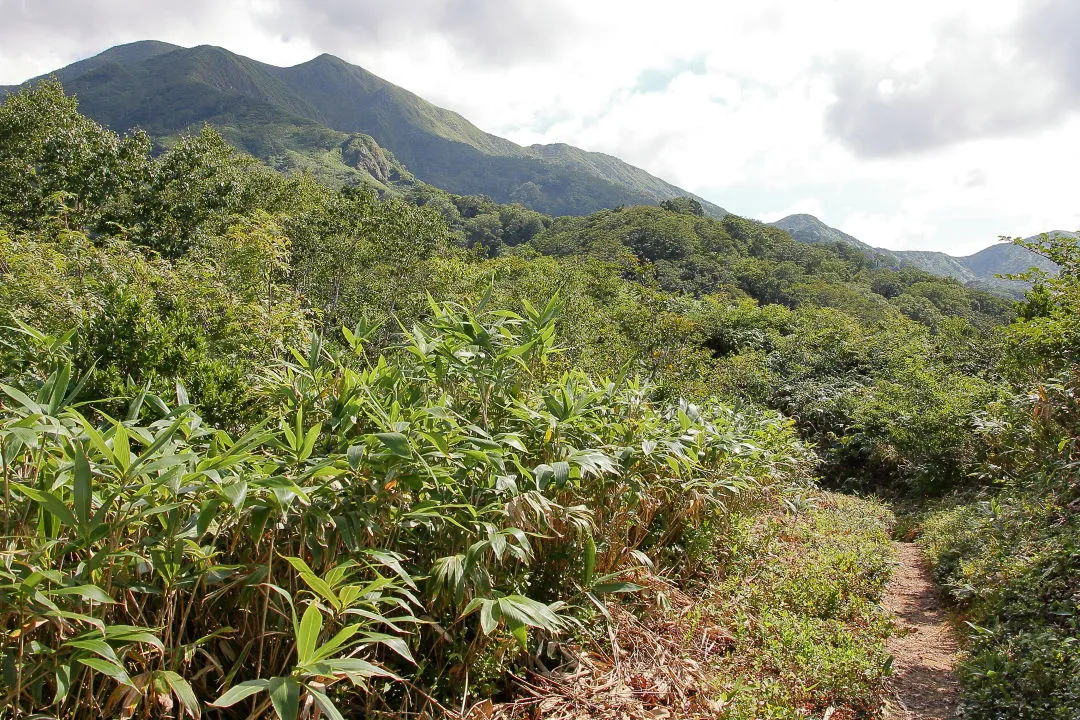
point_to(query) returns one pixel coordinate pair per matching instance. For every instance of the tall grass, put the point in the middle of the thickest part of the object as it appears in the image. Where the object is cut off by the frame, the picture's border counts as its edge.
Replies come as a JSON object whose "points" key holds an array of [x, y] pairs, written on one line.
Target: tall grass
{"points": [[393, 523]]}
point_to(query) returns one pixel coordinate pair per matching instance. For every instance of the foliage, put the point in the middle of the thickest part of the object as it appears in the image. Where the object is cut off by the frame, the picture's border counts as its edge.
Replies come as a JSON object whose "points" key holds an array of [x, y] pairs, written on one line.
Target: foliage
{"points": [[246, 416], [802, 595], [460, 486], [147, 322], [1010, 553], [59, 164]]}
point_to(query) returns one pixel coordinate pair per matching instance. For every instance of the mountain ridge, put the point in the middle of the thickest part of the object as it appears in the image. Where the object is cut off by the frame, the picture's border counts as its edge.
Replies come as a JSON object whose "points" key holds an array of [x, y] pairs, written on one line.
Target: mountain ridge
{"points": [[305, 114], [978, 269], [346, 124]]}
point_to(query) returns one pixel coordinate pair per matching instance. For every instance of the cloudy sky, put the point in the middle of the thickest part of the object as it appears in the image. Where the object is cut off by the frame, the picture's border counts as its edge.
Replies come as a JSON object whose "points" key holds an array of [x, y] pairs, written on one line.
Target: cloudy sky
{"points": [[927, 124]]}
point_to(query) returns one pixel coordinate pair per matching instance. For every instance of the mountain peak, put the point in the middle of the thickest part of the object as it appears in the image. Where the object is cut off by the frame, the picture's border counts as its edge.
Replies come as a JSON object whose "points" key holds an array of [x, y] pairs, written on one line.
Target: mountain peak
{"points": [[328, 58], [141, 48], [809, 229], [802, 217], [124, 55], [304, 116]]}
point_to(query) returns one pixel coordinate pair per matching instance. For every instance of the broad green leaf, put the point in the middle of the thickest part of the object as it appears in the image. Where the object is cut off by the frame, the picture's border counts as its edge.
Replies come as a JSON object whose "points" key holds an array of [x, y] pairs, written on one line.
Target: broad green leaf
{"points": [[51, 503], [95, 437], [355, 455], [86, 592], [562, 473], [307, 635], [121, 448], [18, 396], [309, 441], [83, 490], [236, 493], [356, 669], [521, 634], [590, 561], [397, 443], [618, 587], [63, 682], [488, 619], [544, 475], [158, 443], [183, 692], [207, 513], [181, 394], [326, 706], [391, 641], [240, 692], [285, 697], [133, 633], [110, 668], [393, 562], [335, 643]]}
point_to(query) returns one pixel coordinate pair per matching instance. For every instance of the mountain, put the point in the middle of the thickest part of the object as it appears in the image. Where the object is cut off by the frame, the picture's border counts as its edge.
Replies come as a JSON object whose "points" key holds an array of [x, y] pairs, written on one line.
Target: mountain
{"points": [[978, 270], [345, 123], [1011, 259], [808, 229]]}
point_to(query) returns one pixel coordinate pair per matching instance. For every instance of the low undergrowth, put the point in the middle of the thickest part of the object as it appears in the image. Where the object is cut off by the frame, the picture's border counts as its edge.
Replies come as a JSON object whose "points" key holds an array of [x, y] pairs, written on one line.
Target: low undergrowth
{"points": [[788, 625], [1011, 562], [801, 594], [1008, 554]]}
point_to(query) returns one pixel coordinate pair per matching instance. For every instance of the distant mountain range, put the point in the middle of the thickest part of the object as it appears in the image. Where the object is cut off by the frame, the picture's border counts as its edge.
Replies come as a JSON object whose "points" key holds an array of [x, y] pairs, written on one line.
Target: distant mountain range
{"points": [[344, 123], [978, 270], [347, 125]]}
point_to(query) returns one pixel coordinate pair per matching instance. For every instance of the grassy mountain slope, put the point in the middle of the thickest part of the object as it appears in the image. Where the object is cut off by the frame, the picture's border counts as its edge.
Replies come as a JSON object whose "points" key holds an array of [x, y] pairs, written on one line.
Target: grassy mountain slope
{"points": [[937, 263], [978, 270], [623, 173], [167, 90], [808, 229], [305, 116], [1006, 258]]}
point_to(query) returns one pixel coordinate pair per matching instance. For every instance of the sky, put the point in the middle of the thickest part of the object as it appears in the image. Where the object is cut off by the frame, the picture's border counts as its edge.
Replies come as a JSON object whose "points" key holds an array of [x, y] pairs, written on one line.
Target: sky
{"points": [[927, 124]]}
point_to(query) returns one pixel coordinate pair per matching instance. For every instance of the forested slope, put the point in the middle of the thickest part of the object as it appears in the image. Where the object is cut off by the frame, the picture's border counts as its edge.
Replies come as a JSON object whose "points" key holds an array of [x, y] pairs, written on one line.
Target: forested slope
{"points": [[271, 446], [307, 116]]}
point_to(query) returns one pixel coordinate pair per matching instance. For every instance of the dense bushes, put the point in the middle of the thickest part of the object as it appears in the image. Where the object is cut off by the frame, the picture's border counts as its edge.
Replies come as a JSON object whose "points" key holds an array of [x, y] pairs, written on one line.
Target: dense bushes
{"points": [[148, 322], [401, 515], [433, 489], [1012, 561], [1009, 554]]}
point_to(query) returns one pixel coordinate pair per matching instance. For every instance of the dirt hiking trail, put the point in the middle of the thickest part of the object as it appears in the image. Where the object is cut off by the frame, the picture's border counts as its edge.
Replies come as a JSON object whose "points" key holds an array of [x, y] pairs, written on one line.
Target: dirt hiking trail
{"points": [[924, 686]]}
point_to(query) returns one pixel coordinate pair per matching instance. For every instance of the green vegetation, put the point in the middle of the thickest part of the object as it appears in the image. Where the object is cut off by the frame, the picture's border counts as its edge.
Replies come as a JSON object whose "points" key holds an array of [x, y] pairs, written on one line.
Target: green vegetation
{"points": [[345, 125], [882, 369], [278, 445], [394, 518], [803, 593], [1009, 553]]}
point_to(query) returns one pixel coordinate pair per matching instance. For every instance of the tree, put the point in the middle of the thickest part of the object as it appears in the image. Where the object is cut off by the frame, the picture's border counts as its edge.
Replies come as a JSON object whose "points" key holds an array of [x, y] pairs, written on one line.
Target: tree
{"points": [[58, 164], [685, 205], [197, 187]]}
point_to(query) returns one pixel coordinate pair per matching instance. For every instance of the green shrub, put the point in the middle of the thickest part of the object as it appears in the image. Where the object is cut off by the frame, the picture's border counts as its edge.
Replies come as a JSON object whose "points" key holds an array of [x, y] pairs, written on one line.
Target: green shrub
{"points": [[391, 518], [803, 591], [1013, 562]]}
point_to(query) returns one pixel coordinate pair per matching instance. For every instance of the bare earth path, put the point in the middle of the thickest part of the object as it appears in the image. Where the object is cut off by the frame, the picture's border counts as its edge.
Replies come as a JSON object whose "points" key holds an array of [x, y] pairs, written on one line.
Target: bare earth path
{"points": [[924, 686]]}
